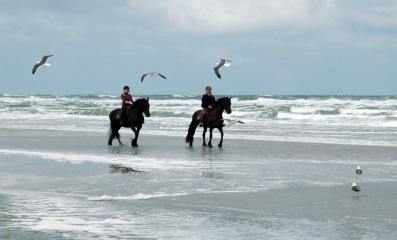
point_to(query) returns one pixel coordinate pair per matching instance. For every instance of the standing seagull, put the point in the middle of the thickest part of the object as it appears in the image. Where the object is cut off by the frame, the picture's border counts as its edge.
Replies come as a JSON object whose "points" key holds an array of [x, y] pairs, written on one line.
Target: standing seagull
{"points": [[355, 188], [223, 62], [359, 171], [152, 75], [43, 61]]}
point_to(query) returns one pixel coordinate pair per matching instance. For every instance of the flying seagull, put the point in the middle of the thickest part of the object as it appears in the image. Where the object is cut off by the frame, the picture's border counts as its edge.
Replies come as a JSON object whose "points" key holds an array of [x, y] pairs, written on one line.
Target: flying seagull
{"points": [[152, 75], [223, 63], [355, 188], [232, 121], [359, 171], [43, 61]]}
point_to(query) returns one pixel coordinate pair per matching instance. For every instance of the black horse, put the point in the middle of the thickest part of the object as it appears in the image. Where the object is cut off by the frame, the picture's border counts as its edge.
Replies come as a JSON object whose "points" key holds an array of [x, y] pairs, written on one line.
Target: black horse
{"points": [[134, 120], [213, 120]]}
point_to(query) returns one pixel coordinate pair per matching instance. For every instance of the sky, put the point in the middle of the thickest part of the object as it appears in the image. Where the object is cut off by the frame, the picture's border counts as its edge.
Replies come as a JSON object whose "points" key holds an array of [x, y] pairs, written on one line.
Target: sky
{"points": [[278, 47]]}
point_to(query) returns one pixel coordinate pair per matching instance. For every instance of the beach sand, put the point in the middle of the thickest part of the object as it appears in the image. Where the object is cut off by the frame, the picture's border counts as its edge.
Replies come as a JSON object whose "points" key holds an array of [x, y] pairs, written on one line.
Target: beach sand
{"points": [[71, 185]]}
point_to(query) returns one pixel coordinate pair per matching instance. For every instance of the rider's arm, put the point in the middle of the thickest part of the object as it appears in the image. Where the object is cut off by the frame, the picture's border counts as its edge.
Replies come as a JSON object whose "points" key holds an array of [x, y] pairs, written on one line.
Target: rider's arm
{"points": [[203, 102], [124, 99]]}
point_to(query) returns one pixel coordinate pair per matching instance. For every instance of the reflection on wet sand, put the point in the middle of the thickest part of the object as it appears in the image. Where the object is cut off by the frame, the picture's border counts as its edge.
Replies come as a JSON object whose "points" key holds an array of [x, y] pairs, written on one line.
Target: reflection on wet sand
{"points": [[116, 168]]}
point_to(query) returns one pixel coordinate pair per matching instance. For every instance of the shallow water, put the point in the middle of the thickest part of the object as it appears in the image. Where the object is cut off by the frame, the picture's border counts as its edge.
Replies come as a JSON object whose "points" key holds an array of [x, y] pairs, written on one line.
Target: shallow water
{"points": [[70, 185], [59, 179]]}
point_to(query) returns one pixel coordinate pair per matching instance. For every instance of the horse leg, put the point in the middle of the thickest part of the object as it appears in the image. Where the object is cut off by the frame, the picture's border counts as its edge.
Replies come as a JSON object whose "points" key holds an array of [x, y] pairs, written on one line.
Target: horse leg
{"points": [[134, 142], [204, 132], [137, 135], [210, 142], [221, 141], [114, 133], [111, 137], [118, 138]]}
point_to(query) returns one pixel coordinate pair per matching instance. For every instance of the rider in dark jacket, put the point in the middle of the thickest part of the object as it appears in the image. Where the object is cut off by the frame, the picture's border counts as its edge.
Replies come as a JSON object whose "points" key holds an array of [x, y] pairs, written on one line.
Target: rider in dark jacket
{"points": [[207, 103], [126, 101]]}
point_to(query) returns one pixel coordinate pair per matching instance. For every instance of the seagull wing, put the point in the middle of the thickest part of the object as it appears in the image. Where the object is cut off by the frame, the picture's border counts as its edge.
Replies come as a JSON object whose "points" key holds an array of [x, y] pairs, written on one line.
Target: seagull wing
{"points": [[227, 63], [161, 75], [143, 76], [44, 58], [234, 121], [37, 65], [216, 70], [220, 64], [217, 67]]}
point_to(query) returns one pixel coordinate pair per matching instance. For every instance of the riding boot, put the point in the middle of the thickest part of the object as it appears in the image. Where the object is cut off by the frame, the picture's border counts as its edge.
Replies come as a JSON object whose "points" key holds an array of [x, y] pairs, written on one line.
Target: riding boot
{"points": [[123, 115]]}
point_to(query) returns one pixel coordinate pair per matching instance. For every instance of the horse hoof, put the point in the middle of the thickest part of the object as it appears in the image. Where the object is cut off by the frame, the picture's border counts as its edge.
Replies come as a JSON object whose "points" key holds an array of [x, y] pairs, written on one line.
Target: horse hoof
{"points": [[219, 145], [204, 144], [210, 145]]}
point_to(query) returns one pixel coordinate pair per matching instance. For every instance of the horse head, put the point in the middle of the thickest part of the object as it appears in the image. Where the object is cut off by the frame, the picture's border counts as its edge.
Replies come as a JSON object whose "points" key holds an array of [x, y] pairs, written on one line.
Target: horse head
{"points": [[147, 108], [226, 104], [143, 106]]}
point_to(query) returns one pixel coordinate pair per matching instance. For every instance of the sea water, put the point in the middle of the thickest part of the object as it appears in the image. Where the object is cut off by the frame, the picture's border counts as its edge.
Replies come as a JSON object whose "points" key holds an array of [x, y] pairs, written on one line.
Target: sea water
{"points": [[367, 120], [271, 180]]}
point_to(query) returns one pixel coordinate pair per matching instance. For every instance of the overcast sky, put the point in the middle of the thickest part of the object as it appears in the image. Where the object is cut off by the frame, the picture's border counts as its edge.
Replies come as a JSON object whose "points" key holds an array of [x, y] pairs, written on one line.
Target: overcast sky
{"points": [[277, 46]]}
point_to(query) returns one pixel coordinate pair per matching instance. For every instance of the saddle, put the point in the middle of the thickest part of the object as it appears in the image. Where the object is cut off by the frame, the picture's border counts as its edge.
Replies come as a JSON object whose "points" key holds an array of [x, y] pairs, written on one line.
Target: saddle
{"points": [[118, 116], [135, 118], [203, 117]]}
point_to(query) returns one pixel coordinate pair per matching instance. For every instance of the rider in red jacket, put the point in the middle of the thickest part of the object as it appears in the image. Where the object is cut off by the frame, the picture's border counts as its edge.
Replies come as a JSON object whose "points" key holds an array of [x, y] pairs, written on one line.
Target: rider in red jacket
{"points": [[127, 101]]}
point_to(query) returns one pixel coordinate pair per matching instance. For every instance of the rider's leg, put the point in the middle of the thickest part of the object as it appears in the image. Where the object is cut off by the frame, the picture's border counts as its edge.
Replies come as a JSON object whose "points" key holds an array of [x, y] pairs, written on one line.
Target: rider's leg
{"points": [[123, 115], [202, 115]]}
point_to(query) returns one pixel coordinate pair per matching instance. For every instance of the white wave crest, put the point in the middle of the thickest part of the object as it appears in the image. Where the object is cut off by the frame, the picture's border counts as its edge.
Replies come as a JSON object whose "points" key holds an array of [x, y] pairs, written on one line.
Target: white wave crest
{"points": [[138, 196]]}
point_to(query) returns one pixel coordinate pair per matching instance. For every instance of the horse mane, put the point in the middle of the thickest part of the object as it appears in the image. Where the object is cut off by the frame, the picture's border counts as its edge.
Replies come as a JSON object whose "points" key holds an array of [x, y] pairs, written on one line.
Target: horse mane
{"points": [[219, 100], [138, 101]]}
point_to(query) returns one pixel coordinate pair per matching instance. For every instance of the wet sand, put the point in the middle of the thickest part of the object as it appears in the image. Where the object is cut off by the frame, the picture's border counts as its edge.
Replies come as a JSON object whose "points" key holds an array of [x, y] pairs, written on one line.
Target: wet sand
{"points": [[247, 190], [376, 200]]}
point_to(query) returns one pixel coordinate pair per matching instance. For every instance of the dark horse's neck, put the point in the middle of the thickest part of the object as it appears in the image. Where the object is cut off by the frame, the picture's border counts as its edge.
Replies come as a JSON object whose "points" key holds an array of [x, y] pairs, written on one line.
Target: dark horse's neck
{"points": [[136, 112], [219, 107], [137, 106]]}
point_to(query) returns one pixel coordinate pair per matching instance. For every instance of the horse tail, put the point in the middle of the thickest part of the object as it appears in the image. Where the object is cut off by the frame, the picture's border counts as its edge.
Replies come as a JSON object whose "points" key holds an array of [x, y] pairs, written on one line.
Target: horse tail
{"points": [[114, 128], [190, 133], [192, 128]]}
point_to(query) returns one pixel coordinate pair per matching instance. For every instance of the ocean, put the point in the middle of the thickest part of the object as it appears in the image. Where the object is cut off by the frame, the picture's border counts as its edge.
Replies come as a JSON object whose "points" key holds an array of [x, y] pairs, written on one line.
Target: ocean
{"points": [[366, 120], [284, 173]]}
